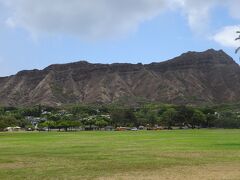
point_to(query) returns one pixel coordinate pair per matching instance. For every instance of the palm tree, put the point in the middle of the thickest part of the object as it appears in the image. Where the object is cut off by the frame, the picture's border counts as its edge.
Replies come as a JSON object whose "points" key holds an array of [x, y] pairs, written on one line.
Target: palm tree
{"points": [[238, 38], [238, 49]]}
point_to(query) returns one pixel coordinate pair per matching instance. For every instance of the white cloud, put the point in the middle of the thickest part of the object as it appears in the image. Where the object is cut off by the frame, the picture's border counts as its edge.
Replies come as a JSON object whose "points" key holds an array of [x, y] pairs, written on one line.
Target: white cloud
{"points": [[226, 36], [234, 8], [91, 19], [85, 18], [197, 13], [10, 23]]}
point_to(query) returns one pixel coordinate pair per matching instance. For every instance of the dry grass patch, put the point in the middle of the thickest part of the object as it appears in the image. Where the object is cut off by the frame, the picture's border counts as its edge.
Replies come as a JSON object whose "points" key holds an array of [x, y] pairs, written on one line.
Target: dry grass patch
{"points": [[16, 165], [206, 172]]}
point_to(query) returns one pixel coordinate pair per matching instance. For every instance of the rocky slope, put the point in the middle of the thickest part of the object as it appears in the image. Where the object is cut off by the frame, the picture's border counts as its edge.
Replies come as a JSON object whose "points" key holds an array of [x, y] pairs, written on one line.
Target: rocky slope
{"points": [[192, 78]]}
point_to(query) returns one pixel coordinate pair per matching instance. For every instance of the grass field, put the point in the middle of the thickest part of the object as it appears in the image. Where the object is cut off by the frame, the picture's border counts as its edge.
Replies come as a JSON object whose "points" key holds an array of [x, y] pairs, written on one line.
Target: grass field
{"points": [[181, 154]]}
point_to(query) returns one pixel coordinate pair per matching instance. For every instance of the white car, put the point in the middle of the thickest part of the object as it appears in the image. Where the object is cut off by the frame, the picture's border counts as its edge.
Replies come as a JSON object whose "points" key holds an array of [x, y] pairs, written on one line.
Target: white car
{"points": [[134, 129]]}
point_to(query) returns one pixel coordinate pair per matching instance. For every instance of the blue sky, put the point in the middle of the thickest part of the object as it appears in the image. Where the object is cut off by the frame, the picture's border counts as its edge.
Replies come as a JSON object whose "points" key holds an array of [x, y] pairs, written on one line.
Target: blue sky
{"points": [[36, 34]]}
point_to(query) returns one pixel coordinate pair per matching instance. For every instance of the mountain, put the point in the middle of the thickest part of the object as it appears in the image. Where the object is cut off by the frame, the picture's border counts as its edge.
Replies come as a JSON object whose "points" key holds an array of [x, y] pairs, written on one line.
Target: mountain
{"points": [[193, 78]]}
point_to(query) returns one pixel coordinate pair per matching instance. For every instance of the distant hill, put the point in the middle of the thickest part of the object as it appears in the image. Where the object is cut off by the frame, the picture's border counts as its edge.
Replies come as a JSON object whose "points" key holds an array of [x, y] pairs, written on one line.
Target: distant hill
{"points": [[193, 78]]}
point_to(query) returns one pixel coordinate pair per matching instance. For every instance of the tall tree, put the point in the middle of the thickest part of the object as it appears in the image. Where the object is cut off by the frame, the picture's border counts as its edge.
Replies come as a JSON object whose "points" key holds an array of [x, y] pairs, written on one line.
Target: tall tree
{"points": [[197, 119], [168, 117]]}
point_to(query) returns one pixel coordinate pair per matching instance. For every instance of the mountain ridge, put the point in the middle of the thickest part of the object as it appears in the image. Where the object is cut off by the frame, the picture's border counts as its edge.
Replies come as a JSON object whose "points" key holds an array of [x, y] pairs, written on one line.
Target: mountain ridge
{"points": [[191, 78]]}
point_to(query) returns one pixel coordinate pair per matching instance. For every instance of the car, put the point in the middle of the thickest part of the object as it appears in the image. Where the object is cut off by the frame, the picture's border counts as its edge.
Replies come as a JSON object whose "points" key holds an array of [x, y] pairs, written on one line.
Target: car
{"points": [[29, 129], [134, 129]]}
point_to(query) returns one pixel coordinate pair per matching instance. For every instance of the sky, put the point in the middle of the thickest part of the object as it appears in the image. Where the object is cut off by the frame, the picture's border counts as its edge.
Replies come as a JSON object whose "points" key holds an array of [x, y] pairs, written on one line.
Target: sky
{"points": [[35, 34]]}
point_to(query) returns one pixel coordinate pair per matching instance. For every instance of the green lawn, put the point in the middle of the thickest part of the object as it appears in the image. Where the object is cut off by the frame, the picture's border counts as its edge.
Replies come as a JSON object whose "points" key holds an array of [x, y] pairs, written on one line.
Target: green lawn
{"points": [[120, 155]]}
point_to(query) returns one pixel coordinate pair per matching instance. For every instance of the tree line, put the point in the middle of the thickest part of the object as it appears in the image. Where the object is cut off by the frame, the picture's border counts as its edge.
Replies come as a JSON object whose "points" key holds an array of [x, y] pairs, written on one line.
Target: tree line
{"points": [[147, 115]]}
